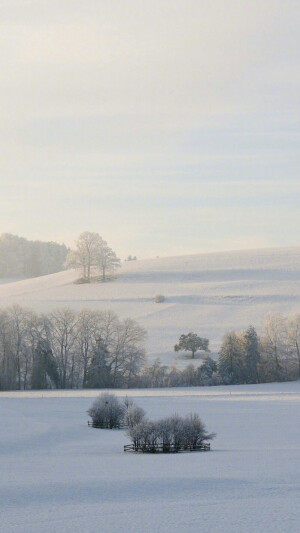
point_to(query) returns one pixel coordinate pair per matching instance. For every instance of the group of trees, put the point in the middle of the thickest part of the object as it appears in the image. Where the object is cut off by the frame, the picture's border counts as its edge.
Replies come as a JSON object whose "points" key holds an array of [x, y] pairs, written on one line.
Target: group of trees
{"points": [[95, 349], [274, 355], [171, 433], [160, 375], [244, 357], [92, 256], [20, 258], [68, 349]]}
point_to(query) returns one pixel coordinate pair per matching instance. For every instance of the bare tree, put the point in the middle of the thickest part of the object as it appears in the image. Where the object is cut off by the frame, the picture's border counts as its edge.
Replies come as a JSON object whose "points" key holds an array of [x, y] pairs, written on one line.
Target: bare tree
{"points": [[274, 343], [106, 259], [87, 333], [19, 320], [194, 431], [126, 351], [293, 335], [133, 414], [8, 367], [63, 343], [84, 256]]}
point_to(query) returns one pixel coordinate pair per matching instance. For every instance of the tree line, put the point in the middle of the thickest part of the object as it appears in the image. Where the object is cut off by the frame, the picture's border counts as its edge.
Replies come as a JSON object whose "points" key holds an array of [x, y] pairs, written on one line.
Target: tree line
{"points": [[95, 349], [21, 258], [244, 357], [92, 257], [68, 349], [274, 355]]}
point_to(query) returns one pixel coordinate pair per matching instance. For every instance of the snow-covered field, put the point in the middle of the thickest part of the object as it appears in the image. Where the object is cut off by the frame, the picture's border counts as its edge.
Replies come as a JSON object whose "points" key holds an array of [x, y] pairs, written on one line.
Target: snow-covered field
{"points": [[207, 293], [60, 476]]}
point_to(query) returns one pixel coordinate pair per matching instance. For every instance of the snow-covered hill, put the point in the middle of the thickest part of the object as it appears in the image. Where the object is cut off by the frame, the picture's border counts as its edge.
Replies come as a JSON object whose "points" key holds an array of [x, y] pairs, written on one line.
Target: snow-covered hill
{"points": [[207, 293]]}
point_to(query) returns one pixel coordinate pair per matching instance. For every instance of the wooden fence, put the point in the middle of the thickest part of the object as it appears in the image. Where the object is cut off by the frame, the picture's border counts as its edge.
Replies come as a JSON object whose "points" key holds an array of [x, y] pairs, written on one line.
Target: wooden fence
{"points": [[160, 448], [94, 425]]}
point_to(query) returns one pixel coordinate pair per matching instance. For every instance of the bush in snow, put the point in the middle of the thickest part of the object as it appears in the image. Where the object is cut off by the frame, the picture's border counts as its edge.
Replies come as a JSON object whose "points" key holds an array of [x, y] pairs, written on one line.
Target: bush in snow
{"points": [[171, 433], [194, 432], [159, 298], [107, 411], [134, 415], [144, 435]]}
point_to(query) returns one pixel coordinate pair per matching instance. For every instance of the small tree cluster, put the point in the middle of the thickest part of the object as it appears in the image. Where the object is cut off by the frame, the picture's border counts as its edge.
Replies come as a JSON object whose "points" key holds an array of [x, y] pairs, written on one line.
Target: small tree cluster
{"points": [[170, 433], [245, 357], [92, 257], [159, 375]]}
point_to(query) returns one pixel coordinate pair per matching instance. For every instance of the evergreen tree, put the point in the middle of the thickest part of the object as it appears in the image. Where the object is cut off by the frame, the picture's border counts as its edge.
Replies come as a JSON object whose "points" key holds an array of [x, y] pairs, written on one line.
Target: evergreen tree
{"points": [[251, 355], [98, 372], [207, 369], [230, 364], [44, 368]]}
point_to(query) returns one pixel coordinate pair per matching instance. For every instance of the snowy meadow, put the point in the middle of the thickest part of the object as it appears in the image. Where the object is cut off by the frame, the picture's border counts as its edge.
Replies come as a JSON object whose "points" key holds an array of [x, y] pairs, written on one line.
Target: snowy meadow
{"points": [[58, 474]]}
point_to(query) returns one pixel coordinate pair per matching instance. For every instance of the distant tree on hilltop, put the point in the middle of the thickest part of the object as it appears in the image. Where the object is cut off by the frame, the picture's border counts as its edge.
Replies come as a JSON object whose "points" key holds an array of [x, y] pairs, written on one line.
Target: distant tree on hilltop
{"points": [[92, 256]]}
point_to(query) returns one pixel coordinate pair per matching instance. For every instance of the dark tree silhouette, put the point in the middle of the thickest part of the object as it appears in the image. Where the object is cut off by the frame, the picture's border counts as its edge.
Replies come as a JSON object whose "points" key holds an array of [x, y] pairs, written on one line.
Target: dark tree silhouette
{"points": [[44, 367]]}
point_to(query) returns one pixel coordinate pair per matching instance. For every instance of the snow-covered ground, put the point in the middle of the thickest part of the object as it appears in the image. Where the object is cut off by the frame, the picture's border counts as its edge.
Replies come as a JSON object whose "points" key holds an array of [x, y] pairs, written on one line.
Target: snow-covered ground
{"points": [[60, 476], [206, 293]]}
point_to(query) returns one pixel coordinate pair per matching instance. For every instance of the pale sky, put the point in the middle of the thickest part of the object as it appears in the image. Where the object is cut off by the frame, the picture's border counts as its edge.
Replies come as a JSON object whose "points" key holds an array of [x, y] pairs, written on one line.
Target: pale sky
{"points": [[169, 127]]}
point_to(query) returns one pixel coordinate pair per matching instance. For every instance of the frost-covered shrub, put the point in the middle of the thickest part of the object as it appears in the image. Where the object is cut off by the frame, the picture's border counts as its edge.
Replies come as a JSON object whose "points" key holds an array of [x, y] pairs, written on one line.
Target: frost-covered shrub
{"points": [[134, 415], [171, 433], [159, 298], [194, 432], [144, 435], [107, 411], [177, 428]]}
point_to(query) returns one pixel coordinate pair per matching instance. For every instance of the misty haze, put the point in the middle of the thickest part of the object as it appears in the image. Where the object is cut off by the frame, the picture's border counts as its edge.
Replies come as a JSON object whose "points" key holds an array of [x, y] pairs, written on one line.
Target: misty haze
{"points": [[149, 266]]}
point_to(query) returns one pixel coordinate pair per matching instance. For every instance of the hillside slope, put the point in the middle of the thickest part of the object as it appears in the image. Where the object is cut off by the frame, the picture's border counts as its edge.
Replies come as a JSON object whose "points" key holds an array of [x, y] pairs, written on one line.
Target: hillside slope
{"points": [[207, 293]]}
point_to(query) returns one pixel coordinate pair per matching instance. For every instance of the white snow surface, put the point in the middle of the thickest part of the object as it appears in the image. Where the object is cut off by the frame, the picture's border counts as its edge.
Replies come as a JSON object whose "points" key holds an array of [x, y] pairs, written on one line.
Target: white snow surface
{"points": [[60, 476], [206, 293]]}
